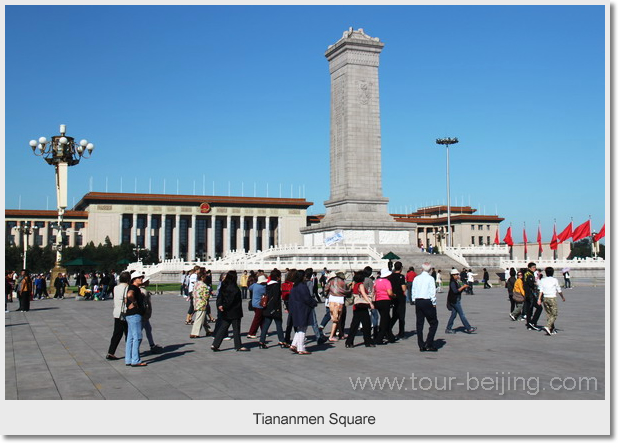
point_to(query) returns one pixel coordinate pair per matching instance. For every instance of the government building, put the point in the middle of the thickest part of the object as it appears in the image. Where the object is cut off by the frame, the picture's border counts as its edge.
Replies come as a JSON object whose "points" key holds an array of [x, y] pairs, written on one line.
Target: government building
{"points": [[173, 226], [203, 228]]}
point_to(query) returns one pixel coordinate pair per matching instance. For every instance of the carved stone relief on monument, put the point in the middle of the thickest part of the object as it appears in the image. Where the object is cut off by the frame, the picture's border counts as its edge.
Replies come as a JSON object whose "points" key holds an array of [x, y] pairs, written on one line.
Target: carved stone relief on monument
{"points": [[365, 88], [359, 236], [394, 237]]}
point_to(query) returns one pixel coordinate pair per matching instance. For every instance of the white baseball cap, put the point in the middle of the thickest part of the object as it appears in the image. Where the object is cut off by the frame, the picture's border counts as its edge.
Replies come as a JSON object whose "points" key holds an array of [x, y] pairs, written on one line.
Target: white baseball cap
{"points": [[137, 274]]}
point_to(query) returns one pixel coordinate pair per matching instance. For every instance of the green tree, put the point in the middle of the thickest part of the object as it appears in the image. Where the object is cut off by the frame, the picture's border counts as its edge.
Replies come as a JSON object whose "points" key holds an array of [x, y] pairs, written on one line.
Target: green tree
{"points": [[13, 258]]}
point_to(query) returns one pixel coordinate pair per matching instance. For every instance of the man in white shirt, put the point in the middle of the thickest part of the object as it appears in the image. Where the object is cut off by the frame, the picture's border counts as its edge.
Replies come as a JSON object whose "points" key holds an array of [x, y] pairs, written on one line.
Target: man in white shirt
{"points": [[424, 299], [549, 287]]}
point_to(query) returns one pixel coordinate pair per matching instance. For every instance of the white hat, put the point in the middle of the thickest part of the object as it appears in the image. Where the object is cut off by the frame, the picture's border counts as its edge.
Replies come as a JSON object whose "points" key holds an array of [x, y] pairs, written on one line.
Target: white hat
{"points": [[262, 279], [136, 274], [454, 271], [146, 279], [385, 272]]}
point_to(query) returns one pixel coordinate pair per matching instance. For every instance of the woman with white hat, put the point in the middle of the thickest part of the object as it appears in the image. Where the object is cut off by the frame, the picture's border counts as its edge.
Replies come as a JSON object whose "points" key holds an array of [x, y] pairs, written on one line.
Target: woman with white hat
{"points": [[453, 303]]}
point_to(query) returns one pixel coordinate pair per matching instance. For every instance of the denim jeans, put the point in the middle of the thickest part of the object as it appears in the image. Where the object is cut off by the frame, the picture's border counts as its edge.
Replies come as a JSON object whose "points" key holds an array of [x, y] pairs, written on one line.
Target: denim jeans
{"points": [[266, 325], [148, 328], [134, 339], [457, 309]]}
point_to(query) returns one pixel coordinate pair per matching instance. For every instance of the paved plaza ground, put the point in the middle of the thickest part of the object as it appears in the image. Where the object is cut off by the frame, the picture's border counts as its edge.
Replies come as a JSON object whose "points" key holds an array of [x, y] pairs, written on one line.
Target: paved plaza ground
{"points": [[57, 351]]}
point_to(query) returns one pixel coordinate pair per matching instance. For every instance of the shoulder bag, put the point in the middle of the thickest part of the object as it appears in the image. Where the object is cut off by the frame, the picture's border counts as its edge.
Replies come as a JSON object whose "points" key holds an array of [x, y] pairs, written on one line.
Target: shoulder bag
{"points": [[123, 308]]}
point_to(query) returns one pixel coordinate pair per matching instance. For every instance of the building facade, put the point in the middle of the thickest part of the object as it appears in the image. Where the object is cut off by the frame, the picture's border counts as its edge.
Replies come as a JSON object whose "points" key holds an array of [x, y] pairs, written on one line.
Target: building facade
{"points": [[173, 226]]}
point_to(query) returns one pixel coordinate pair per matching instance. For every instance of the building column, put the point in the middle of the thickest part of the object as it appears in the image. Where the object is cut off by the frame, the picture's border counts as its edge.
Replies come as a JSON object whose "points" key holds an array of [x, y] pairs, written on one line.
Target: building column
{"points": [[162, 238], [267, 245], [176, 238], [121, 229], [192, 239], [44, 232], [227, 245], [211, 237], [71, 232], [242, 234], [253, 235], [134, 229], [147, 231], [279, 240]]}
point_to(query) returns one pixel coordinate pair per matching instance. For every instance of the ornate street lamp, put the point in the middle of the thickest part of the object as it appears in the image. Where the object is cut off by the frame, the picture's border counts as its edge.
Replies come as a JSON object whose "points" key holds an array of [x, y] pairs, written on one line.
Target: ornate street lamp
{"points": [[448, 141], [26, 230], [61, 152]]}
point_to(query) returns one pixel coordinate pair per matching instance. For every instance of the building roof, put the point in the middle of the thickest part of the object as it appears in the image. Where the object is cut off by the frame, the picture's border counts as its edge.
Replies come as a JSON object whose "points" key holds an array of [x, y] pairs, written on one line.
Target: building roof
{"points": [[44, 214], [195, 200]]}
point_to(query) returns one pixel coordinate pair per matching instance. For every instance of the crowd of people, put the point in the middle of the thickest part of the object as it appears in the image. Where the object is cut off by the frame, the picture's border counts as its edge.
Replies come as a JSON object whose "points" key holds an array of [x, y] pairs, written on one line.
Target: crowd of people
{"points": [[530, 291], [378, 302]]}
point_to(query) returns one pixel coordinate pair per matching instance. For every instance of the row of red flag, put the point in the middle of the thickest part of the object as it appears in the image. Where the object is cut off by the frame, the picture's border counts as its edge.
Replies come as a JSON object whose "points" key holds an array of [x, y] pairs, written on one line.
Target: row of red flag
{"points": [[580, 232]]}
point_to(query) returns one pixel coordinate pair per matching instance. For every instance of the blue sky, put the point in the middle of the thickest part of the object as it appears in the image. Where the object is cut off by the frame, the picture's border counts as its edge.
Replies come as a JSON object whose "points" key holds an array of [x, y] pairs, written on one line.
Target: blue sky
{"points": [[240, 96]]}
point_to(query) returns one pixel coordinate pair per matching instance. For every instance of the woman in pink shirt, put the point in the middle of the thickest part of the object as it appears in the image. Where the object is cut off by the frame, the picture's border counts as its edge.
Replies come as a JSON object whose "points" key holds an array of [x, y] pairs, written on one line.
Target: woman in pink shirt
{"points": [[383, 292]]}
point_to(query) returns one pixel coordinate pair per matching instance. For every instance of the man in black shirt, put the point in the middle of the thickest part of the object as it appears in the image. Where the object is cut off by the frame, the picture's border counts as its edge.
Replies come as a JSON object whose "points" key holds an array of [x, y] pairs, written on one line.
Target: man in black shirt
{"points": [[398, 283]]}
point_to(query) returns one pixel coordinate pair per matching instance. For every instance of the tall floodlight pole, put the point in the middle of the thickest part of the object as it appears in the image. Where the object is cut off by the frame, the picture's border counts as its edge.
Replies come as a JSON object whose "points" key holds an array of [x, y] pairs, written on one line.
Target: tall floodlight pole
{"points": [[61, 152], [26, 230], [448, 141]]}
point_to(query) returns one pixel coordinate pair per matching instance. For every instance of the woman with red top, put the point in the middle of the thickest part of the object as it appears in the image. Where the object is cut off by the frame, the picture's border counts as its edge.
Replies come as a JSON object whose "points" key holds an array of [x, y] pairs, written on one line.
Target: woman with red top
{"points": [[361, 307], [383, 292], [286, 287]]}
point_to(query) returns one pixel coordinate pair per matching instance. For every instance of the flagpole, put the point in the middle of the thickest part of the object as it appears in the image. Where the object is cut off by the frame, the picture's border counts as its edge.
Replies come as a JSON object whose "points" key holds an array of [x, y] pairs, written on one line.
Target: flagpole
{"points": [[525, 243], [555, 250]]}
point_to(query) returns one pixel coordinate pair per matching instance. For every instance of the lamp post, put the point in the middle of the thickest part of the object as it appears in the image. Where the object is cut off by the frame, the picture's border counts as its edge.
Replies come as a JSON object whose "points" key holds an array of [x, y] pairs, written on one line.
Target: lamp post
{"points": [[448, 141], [26, 230], [61, 151]]}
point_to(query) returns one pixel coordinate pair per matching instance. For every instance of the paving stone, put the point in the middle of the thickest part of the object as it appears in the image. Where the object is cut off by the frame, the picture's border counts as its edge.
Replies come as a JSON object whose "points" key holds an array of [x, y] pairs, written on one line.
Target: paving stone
{"points": [[58, 352]]}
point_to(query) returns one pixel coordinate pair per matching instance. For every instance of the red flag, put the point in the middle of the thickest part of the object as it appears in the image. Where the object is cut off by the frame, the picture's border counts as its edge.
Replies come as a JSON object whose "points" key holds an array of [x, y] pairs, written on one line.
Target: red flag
{"points": [[497, 238], [508, 239], [525, 242], [582, 231], [599, 235], [554, 240], [566, 233], [539, 240]]}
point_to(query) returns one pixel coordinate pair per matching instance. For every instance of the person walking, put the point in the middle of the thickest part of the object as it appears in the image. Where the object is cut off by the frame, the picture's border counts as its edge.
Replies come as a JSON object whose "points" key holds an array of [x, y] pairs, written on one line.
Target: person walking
{"points": [[25, 291], [120, 324], [424, 297], [244, 284], [191, 280], [567, 279], [470, 282], [383, 293], [531, 308], [453, 302], [439, 281], [486, 284], [409, 279], [360, 312], [229, 303], [398, 284], [549, 287], [147, 295], [134, 302], [301, 305], [257, 289], [336, 291], [201, 295], [272, 311], [519, 296], [509, 284]]}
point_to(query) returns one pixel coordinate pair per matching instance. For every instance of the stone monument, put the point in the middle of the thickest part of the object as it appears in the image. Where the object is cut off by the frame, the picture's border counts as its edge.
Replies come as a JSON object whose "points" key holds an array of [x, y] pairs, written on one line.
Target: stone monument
{"points": [[357, 208]]}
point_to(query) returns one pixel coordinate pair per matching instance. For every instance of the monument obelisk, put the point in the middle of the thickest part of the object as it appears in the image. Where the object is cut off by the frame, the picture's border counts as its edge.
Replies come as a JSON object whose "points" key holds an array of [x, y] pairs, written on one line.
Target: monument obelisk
{"points": [[356, 206]]}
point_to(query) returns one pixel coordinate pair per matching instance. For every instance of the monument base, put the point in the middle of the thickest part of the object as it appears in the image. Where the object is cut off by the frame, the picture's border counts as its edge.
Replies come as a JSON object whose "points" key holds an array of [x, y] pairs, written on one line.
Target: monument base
{"points": [[383, 234]]}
